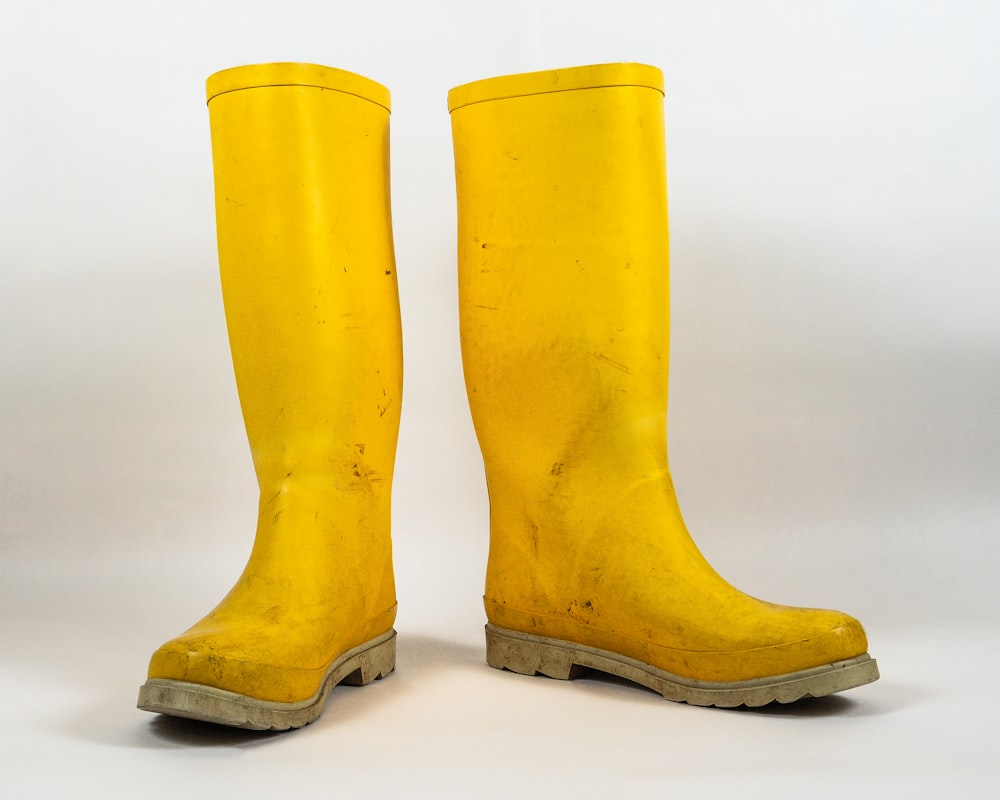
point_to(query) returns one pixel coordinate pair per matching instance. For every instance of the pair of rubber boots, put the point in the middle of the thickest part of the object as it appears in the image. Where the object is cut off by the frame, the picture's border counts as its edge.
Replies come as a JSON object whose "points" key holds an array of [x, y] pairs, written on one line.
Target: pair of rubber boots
{"points": [[563, 275]]}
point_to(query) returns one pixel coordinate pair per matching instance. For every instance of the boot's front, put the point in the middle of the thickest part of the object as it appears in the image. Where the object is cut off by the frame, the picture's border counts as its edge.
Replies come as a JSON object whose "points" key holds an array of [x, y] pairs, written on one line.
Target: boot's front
{"points": [[564, 308]]}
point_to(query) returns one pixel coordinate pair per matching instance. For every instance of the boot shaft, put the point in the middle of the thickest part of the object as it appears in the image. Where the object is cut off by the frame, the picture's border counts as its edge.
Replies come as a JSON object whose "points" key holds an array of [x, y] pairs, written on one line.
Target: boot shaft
{"points": [[563, 266], [301, 155]]}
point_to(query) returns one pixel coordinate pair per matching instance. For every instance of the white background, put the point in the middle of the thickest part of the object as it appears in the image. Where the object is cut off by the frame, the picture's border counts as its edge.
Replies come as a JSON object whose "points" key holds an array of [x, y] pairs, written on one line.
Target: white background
{"points": [[834, 180]]}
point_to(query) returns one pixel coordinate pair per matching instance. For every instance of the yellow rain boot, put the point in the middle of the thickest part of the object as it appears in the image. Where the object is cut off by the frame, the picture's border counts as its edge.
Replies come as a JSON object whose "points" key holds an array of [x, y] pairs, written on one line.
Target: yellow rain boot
{"points": [[563, 276], [309, 284]]}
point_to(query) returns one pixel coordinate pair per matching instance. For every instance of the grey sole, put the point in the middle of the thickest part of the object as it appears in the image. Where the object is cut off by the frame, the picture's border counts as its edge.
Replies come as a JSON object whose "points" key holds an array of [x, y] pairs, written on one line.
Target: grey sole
{"points": [[537, 655], [363, 664]]}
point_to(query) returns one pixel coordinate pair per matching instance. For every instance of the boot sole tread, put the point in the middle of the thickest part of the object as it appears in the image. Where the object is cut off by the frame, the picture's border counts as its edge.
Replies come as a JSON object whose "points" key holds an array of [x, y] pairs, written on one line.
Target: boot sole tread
{"points": [[528, 654]]}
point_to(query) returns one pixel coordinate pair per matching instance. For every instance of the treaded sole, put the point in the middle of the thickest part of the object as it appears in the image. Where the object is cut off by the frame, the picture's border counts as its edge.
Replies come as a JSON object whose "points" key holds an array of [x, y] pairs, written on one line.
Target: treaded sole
{"points": [[363, 664], [538, 655]]}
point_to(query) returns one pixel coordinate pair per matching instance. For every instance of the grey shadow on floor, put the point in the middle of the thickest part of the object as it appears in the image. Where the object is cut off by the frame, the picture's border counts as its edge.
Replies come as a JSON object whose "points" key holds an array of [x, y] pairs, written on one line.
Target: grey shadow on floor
{"points": [[835, 705]]}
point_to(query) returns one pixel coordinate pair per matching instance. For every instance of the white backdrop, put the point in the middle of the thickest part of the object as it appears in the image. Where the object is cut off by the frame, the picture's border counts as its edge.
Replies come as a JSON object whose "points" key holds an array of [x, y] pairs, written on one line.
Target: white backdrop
{"points": [[834, 181]]}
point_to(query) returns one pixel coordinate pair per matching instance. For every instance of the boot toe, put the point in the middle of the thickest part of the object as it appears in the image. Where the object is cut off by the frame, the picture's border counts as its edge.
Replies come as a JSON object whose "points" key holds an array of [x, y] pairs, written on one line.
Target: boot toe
{"points": [[784, 641], [210, 661]]}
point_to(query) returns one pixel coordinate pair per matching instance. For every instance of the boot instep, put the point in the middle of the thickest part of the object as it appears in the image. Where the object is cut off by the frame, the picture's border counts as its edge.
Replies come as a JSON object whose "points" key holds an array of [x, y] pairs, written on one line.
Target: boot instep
{"points": [[362, 665], [538, 655]]}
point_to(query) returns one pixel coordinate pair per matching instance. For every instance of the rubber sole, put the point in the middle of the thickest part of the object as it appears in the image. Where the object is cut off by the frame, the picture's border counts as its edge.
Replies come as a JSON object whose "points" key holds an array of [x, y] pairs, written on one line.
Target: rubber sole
{"points": [[537, 655], [368, 662]]}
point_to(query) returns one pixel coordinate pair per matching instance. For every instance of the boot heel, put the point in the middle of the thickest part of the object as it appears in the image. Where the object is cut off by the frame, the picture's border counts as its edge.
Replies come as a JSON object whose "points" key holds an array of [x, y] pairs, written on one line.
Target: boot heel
{"points": [[373, 664], [528, 655]]}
